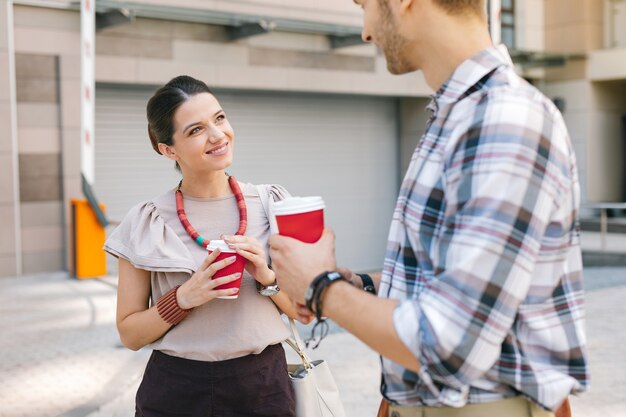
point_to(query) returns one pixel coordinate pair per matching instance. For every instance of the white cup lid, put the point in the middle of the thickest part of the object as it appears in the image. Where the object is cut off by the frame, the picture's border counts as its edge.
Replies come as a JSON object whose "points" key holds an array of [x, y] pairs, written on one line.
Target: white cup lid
{"points": [[295, 205], [221, 245]]}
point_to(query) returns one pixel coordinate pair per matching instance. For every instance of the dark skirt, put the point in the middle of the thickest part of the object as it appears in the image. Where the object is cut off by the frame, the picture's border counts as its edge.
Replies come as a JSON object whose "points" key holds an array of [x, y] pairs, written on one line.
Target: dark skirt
{"points": [[254, 385]]}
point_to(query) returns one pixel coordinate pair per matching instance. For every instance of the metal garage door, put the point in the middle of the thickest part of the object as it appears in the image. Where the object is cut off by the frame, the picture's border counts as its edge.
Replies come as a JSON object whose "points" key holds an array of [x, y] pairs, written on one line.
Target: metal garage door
{"points": [[342, 148]]}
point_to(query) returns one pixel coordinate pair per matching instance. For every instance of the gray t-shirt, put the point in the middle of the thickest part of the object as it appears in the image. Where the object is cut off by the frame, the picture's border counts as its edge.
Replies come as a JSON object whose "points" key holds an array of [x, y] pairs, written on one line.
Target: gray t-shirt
{"points": [[152, 238]]}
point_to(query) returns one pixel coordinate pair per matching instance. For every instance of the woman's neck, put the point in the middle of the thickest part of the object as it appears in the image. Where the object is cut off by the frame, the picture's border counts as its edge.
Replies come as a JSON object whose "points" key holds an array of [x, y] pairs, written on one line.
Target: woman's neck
{"points": [[212, 185]]}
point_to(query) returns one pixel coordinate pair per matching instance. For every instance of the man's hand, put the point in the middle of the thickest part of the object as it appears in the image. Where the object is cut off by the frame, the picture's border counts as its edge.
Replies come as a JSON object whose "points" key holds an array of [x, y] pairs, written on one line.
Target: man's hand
{"points": [[297, 263]]}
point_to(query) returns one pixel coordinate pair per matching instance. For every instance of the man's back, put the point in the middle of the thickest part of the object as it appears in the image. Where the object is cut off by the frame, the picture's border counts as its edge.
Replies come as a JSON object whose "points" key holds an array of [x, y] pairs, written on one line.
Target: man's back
{"points": [[481, 294], [484, 247]]}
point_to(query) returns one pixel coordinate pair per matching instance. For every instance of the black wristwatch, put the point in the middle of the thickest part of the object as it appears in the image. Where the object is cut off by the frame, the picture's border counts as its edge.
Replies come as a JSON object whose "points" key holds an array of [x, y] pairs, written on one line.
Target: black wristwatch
{"points": [[368, 283]]}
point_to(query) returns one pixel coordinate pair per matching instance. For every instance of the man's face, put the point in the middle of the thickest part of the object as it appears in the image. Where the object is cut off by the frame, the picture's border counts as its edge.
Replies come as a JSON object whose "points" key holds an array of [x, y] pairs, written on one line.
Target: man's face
{"points": [[380, 26]]}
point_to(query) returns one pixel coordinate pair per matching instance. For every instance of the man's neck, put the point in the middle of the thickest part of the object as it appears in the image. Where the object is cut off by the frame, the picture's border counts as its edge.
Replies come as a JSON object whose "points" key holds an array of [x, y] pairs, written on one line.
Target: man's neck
{"points": [[449, 49]]}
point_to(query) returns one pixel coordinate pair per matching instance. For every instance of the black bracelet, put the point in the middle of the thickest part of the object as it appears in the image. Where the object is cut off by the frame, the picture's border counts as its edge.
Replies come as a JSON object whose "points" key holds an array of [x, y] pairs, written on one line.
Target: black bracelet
{"points": [[310, 292], [326, 282], [368, 283], [314, 298]]}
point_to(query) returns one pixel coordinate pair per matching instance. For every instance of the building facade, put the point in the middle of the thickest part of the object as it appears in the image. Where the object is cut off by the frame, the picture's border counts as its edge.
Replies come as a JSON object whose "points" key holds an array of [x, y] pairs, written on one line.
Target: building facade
{"points": [[312, 108]]}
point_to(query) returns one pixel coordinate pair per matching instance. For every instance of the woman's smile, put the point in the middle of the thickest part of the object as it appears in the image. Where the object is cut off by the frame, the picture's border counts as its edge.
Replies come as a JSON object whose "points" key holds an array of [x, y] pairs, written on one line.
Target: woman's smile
{"points": [[219, 150]]}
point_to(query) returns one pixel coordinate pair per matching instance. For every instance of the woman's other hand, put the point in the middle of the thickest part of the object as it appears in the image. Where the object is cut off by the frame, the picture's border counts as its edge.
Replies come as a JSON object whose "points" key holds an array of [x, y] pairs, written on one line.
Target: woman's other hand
{"points": [[256, 264]]}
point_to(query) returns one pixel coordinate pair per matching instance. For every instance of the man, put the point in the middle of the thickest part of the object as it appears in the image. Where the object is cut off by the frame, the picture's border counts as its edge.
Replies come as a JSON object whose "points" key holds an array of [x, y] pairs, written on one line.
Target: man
{"points": [[479, 308]]}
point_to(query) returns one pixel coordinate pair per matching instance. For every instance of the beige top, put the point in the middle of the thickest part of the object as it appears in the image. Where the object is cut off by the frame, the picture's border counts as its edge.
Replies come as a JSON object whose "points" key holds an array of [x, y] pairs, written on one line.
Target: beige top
{"points": [[151, 237]]}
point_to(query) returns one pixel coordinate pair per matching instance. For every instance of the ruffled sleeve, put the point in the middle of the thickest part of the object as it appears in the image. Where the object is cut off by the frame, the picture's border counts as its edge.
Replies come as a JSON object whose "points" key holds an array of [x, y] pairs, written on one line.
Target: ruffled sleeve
{"points": [[270, 194], [146, 241], [277, 192]]}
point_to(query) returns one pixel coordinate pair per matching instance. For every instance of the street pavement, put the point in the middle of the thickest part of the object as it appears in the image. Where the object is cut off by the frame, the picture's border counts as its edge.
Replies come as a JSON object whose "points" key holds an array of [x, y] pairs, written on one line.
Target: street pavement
{"points": [[60, 354]]}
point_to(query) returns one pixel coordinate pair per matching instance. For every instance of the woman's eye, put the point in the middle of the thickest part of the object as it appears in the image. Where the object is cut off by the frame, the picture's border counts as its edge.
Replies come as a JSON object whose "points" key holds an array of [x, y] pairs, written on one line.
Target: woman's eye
{"points": [[221, 117], [195, 130]]}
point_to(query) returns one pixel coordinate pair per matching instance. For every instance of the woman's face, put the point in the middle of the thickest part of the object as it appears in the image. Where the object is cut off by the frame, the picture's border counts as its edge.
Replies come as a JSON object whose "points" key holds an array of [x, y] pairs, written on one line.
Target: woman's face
{"points": [[203, 137]]}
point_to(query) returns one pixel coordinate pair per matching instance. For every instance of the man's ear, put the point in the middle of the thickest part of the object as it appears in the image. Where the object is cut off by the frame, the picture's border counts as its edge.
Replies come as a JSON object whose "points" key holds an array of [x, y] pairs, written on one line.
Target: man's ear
{"points": [[168, 151]]}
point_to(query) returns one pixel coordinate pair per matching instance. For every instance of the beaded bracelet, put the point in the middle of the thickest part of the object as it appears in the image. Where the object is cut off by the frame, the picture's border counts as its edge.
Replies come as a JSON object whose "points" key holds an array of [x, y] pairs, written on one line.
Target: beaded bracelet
{"points": [[168, 308]]}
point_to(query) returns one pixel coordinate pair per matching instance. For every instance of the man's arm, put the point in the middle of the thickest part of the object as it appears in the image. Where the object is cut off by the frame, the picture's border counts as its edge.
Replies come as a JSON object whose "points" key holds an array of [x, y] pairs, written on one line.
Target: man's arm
{"points": [[370, 319], [367, 317]]}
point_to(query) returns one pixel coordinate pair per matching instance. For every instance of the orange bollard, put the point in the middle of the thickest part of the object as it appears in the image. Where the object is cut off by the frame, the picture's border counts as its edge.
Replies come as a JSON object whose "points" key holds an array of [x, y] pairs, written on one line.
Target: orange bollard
{"points": [[87, 235]]}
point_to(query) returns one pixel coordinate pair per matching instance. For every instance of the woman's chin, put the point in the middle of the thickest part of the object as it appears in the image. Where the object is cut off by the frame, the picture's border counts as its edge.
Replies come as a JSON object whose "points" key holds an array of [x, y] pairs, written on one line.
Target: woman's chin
{"points": [[219, 165]]}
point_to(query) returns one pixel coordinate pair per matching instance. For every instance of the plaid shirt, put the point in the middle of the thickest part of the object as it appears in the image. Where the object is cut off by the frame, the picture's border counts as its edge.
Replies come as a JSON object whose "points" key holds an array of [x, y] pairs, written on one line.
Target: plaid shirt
{"points": [[484, 250]]}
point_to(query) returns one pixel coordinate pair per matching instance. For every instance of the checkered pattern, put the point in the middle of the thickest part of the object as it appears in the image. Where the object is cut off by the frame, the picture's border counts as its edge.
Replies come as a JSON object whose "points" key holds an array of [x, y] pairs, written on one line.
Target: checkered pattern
{"points": [[484, 249]]}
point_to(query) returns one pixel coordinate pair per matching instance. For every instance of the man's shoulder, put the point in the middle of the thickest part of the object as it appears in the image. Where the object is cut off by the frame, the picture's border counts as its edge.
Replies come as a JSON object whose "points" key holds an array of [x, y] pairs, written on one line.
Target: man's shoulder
{"points": [[506, 87], [506, 98], [510, 111]]}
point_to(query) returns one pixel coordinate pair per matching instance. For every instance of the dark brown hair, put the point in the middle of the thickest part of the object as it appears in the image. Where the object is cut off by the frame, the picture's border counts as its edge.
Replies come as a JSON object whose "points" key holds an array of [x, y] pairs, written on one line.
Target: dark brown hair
{"points": [[163, 105], [460, 7]]}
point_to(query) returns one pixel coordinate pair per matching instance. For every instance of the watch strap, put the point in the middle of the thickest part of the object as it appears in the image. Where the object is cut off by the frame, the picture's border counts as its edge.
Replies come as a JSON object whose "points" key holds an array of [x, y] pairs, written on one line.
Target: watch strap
{"points": [[273, 286], [368, 283]]}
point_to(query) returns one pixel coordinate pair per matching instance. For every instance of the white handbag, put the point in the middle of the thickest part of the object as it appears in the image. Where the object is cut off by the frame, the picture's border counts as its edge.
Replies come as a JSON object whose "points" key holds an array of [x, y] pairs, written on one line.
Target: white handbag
{"points": [[315, 389]]}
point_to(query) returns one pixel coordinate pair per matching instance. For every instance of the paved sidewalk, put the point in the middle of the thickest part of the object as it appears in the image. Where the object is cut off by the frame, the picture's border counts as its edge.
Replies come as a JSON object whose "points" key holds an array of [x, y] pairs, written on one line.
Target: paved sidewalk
{"points": [[61, 355]]}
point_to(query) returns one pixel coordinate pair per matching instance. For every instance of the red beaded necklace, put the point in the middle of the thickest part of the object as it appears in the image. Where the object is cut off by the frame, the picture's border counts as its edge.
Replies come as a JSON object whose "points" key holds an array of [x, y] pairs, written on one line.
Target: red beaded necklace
{"points": [[241, 205]]}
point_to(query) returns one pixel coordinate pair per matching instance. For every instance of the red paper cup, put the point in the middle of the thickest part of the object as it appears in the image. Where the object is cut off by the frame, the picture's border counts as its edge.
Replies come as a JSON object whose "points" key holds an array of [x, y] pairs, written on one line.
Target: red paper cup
{"points": [[301, 218], [233, 268]]}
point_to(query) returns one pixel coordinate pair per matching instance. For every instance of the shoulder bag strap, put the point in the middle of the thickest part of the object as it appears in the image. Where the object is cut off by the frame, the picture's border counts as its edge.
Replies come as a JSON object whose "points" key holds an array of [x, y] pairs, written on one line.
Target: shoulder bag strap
{"points": [[267, 197]]}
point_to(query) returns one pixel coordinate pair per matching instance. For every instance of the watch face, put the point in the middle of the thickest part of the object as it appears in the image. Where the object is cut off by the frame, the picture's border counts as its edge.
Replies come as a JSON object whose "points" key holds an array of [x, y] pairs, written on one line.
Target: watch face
{"points": [[270, 290]]}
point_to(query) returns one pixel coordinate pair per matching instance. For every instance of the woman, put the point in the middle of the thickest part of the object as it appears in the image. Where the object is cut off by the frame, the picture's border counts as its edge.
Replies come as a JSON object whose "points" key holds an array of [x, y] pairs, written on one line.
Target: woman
{"points": [[211, 356]]}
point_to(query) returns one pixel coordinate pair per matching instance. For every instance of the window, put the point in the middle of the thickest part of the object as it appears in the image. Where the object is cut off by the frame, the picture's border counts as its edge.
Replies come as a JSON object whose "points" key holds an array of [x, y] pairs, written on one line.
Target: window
{"points": [[508, 23], [507, 18]]}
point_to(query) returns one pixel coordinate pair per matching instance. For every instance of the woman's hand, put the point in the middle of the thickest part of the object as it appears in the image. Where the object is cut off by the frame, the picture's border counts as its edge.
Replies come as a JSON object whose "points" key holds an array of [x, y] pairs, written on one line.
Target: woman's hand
{"points": [[304, 316], [200, 288], [351, 277], [256, 264]]}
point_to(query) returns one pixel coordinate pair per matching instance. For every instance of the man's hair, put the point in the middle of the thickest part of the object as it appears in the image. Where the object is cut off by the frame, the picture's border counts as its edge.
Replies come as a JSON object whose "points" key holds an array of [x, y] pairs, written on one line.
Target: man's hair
{"points": [[462, 7]]}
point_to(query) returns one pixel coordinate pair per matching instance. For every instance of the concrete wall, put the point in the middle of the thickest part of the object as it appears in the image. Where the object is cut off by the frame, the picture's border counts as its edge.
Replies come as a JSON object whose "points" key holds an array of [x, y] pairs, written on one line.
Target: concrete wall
{"points": [[577, 115], [10, 257], [593, 116], [615, 24], [150, 52], [574, 26], [530, 25], [413, 117], [593, 109], [48, 79], [607, 165], [323, 11], [38, 107], [326, 11], [607, 65]]}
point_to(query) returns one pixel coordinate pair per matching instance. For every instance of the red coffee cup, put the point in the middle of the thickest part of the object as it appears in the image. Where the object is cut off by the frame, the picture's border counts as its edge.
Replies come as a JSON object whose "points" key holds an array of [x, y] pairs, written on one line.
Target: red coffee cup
{"points": [[300, 217], [237, 266]]}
